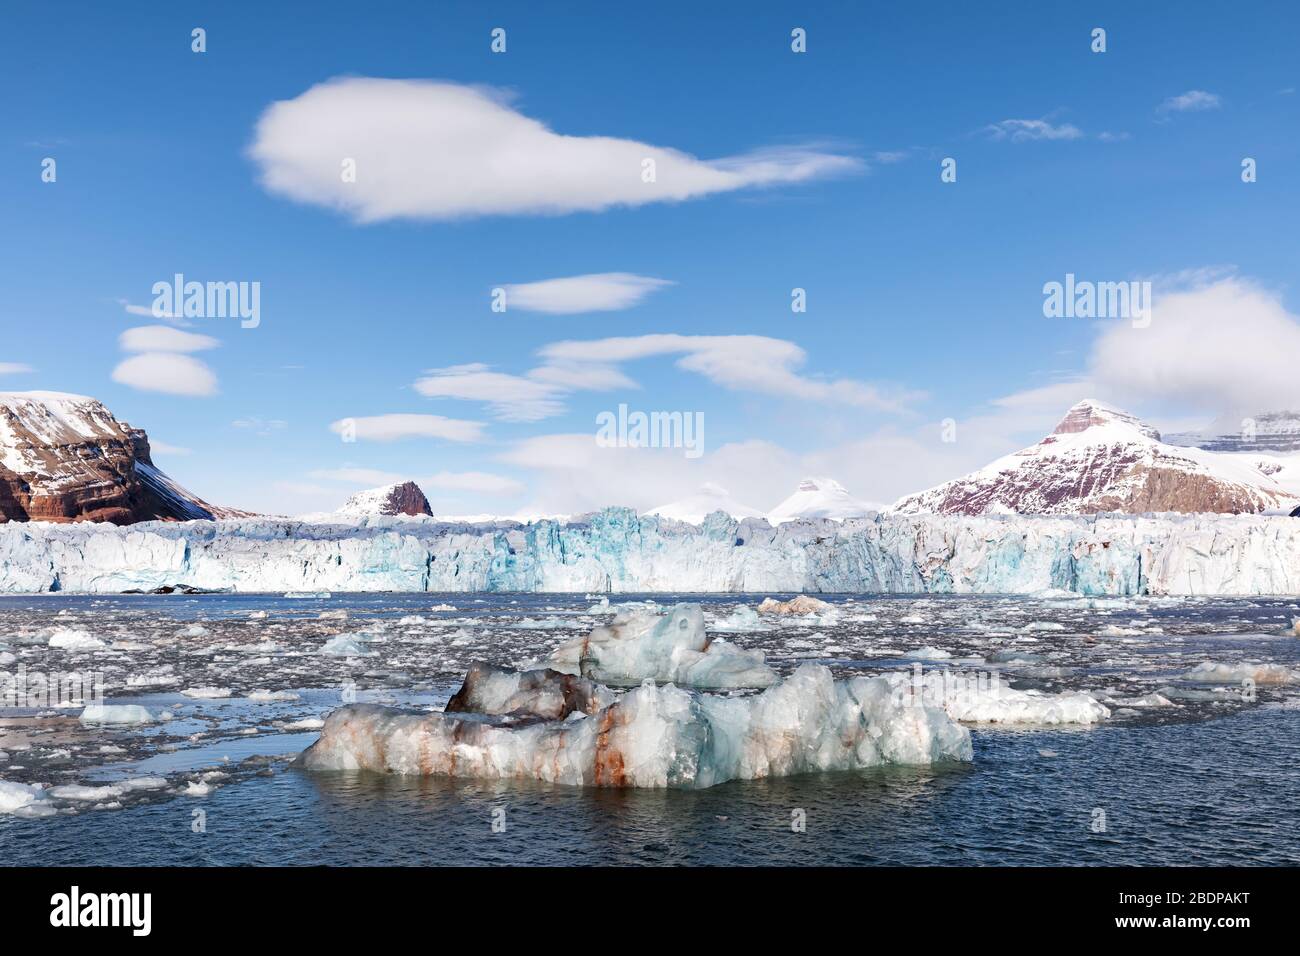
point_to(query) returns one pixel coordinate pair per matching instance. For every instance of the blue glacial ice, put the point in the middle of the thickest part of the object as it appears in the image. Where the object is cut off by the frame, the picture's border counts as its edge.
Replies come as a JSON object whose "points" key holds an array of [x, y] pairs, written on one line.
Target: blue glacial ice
{"points": [[617, 550]]}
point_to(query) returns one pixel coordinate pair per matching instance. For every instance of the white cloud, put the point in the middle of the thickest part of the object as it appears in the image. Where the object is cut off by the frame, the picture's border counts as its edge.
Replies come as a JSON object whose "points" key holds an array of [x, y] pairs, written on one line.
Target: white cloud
{"points": [[573, 474], [260, 426], [479, 482], [1227, 346], [437, 150], [1190, 102], [148, 312], [1026, 130], [395, 427], [164, 448], [164, 338], [14, 368], [598, 292], [748, 363], [166, 372], [369, 477], [753, 363], [511, 398]]}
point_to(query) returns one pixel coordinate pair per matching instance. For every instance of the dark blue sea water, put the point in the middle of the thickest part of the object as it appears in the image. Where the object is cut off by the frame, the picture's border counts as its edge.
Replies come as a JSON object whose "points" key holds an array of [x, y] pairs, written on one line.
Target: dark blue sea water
{"points": [[1224, 791], [1212, 784]]}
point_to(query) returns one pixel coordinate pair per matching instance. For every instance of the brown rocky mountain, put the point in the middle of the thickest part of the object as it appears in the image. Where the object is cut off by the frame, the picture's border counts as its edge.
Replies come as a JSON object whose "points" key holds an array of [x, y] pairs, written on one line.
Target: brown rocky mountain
{"points": [[403, 498], [66, 458]]}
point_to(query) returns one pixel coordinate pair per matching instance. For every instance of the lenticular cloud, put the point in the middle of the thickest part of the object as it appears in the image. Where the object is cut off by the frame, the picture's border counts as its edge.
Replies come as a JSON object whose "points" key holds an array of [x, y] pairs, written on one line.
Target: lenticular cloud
{"points": [[380, 149]]}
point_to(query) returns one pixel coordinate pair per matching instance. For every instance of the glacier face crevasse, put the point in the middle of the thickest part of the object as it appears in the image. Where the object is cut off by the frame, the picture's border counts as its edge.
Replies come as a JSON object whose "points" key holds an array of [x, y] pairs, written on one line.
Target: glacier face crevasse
{"points": [[619, 551]]}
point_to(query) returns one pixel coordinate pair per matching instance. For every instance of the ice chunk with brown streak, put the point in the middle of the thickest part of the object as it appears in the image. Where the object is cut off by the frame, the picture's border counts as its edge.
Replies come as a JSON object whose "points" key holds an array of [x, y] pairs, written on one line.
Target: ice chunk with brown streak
{"points": [[545, 694], [657, 736], [640, 644], [799, 605]]}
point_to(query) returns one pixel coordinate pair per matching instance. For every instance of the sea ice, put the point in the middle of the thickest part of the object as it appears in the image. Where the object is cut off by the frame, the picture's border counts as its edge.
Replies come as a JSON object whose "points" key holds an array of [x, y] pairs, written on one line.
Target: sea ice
{"points": [[115, 714], [1211, 673], [657, 736], [24, 800], [986, 698], [802, 604], [72, 639], [346, 645], [671, 647]]}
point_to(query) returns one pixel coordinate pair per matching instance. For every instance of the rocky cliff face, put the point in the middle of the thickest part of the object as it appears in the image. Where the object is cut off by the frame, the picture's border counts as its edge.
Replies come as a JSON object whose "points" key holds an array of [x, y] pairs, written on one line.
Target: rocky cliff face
{"points": [[1100, 459], [403, 498], [66, 458]]}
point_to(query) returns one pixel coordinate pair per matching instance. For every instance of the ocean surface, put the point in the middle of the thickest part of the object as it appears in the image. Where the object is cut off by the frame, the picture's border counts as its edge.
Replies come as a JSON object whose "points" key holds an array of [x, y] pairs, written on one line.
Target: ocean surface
{"points": [[1211, 776]]}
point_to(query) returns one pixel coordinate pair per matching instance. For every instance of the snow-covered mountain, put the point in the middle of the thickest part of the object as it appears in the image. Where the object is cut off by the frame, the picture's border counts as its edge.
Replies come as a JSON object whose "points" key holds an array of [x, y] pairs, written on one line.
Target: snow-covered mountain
{"points": [[64, 457], [1270, 441], [820, 498], [1100, 459], [710, 498], [1267, 433], [401, 498]]}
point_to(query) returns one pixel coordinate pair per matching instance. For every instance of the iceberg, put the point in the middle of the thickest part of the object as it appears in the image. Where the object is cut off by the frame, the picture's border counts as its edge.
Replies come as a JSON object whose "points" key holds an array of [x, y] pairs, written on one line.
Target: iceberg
{"points": [[646, 645], [656, 737], [616, 550], [544, 694]]}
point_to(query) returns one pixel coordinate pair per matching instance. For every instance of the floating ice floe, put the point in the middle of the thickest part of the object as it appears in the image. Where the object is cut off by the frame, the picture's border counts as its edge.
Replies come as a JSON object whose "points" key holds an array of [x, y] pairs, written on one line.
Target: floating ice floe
{"points": [[742, 618], [347, 645], [207, 693], [802, 604], [656, 737], [986, 698], [1211, 673], [24, 800], [929, 653], [115, 714], [269, 696], [73, 639], [672, 647]]}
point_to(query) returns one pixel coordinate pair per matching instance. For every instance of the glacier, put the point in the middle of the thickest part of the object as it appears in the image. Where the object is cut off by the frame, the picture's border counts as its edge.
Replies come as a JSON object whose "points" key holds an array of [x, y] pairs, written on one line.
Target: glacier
{"points": [[617, 550]]}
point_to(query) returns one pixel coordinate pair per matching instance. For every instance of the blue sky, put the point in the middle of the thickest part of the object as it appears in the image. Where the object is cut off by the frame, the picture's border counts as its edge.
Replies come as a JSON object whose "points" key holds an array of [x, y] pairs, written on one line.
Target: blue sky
{"points": [[925, 293]]}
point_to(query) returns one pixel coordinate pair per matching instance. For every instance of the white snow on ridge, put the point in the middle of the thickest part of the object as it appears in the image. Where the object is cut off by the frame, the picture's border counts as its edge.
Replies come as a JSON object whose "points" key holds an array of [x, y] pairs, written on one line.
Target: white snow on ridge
{"points": [[821, 498], [710, 498], [1100, 459]]}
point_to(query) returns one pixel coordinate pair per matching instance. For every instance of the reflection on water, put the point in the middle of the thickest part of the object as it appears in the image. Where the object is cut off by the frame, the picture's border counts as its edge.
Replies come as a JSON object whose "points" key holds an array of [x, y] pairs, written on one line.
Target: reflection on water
{"points": [[1223, 791]]}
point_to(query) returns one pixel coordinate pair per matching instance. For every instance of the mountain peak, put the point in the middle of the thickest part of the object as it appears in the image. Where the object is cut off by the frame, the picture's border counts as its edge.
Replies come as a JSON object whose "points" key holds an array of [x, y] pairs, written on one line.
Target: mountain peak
{"points": [[399, 498], [1090, 413], [820, 497], [1101, 459], [821, 484]]}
